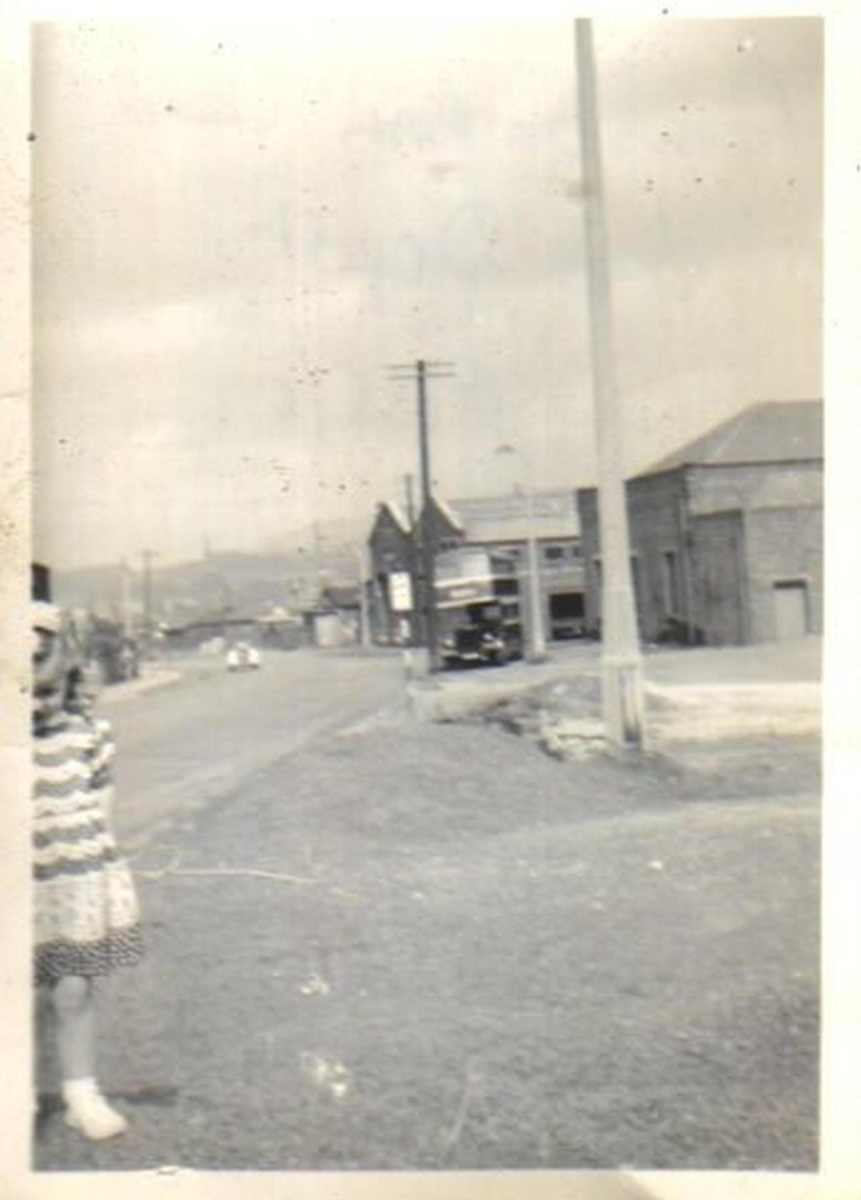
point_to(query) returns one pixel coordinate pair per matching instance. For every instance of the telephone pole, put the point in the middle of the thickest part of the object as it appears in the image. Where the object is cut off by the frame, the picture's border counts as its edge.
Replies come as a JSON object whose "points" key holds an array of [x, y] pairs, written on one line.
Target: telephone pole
{"points": [[125, 598], [421, 371], [538, 647], [621, 686], [408, 491], [147, 557], [364, 615]]}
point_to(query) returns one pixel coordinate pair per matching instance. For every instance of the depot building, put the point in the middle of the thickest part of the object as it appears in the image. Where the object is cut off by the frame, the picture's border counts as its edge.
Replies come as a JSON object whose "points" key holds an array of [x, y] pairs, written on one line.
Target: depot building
{"points": [[726, 533], [499, 525]]}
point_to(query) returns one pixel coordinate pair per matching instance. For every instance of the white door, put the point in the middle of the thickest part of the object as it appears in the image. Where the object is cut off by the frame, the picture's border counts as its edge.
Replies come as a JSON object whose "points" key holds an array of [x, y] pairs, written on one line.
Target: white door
{"points": [[790, 610]]}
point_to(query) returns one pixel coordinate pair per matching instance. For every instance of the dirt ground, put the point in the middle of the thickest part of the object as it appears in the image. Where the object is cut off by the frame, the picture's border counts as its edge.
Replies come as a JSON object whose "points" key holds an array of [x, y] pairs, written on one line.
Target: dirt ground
{"points": [[442, 946]]}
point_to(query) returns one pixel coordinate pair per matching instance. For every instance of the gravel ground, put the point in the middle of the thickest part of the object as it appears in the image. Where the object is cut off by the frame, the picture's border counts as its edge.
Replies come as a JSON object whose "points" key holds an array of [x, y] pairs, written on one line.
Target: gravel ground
{"points": [[437, 946]]}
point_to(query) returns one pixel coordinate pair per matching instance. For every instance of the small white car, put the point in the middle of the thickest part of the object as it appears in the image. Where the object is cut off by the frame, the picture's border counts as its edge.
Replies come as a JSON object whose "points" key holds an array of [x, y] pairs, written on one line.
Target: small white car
{"points": [[242, 657]]}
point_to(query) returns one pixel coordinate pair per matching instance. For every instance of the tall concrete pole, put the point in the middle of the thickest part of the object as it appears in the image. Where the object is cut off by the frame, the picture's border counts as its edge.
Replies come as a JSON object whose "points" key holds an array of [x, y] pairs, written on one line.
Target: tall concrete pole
{"points": [[621, 667]]}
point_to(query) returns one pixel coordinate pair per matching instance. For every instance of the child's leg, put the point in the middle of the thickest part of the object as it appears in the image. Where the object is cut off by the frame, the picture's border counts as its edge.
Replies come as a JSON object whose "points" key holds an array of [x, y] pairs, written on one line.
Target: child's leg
{"points": [[86, 1109], [73, 1005]]}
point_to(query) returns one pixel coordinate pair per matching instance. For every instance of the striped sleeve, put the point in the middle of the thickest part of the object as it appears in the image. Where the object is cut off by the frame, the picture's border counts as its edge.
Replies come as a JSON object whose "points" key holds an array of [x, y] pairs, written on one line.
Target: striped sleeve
{"points": [[102, 753]]}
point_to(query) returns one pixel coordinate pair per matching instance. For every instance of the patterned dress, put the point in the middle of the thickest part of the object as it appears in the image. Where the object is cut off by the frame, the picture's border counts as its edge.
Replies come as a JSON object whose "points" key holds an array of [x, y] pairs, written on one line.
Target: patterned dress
{"points": [[85, 908]]}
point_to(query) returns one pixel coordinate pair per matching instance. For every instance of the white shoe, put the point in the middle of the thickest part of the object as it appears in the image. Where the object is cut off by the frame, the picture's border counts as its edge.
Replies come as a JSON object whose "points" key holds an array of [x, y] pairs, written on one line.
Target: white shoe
{"points": [[92, 1116]]}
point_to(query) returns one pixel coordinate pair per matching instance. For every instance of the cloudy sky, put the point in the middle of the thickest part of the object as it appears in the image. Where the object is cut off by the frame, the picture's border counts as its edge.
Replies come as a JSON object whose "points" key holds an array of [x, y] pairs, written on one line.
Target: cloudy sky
{"points": [[236, 231]]}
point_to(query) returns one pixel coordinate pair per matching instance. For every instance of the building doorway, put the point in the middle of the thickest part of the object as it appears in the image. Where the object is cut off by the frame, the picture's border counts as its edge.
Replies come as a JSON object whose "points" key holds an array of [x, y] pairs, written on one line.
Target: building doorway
{"points": [[790, 609], [567, 615]]}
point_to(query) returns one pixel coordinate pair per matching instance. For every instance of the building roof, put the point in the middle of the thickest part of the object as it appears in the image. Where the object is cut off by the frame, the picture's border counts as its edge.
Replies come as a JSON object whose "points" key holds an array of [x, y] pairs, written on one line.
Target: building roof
{"points": [[450, 513], [389, 508], [517, 516], [778, 431], [398, 515]]}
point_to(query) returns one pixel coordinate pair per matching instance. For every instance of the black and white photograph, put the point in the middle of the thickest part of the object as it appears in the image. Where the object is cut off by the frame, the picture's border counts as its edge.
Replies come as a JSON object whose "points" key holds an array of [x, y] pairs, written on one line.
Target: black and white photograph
{"points": [[426, 595]]}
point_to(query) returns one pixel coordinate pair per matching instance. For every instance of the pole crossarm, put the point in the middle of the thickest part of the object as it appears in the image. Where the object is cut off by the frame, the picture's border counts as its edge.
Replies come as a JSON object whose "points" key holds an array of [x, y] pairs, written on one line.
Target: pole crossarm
{"points": [[397, 373]]}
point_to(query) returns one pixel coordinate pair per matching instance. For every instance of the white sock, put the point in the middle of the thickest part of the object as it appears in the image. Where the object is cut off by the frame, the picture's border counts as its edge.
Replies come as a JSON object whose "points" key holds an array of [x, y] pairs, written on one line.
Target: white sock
{"points": [[88, 1111], [79, 1089]]}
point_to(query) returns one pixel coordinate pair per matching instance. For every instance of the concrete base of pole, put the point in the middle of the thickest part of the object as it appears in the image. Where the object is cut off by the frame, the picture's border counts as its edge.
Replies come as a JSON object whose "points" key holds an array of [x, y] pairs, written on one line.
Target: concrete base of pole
{"points": [[622, 700]]}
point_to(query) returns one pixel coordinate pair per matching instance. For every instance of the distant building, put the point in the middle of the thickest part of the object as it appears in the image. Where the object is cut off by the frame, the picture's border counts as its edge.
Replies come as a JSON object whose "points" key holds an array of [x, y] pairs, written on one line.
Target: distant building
{"points": [[336, 617], [340, 598], [393, 568], [726, 533]]}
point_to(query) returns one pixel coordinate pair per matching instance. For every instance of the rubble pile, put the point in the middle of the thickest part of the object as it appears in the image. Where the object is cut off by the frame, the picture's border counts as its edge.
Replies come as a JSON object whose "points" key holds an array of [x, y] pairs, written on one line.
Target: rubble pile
{"points": [[562, 717]]}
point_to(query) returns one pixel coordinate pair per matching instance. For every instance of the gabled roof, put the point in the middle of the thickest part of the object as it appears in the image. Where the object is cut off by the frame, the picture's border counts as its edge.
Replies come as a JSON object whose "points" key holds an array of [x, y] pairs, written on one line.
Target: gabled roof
{"points": [[395, 512], [779, 431], [449, 513]]}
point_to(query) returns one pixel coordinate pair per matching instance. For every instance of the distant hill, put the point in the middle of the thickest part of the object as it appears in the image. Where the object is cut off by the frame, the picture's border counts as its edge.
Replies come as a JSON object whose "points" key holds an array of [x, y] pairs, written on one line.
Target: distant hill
{"points": [[220, 582]]}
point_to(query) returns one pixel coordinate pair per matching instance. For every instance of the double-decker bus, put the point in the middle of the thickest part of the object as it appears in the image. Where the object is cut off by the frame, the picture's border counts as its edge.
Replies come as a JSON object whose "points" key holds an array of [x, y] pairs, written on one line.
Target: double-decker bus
{"points": [[478, 608]]}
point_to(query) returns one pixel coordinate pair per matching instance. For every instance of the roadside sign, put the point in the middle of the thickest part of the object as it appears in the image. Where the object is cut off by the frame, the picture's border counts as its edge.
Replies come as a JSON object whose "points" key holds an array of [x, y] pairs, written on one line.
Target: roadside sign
{"points": [[401, 591]]}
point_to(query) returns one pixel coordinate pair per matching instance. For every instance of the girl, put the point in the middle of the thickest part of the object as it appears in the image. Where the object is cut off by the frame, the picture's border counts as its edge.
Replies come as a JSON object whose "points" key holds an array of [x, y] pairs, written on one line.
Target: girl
{"points": [[85, 908]]}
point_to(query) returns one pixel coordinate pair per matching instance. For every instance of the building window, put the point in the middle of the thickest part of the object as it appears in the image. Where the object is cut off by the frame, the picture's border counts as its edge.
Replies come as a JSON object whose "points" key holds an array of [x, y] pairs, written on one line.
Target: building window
{"points": [[553, 553]]}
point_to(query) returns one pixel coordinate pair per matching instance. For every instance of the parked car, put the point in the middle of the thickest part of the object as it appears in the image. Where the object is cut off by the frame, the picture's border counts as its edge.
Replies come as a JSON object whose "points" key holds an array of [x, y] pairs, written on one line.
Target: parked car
{"points": [[242, 657]]}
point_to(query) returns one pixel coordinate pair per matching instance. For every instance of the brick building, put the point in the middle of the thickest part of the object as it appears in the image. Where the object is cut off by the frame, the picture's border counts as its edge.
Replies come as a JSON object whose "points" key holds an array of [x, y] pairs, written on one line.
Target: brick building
{"points": [[726, 533]]}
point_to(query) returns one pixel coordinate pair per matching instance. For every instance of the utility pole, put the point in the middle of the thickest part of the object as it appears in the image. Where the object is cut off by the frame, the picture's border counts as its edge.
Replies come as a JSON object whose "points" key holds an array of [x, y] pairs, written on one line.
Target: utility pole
{"points": [[421, 372], [125, 598], [364, 623], [409, 480], [147, 557], [538, 649], [408, 491], [621, 685]]}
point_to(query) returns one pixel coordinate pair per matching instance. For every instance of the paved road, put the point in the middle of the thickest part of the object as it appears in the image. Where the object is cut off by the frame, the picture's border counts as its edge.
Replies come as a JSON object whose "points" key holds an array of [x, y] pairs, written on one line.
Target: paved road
{"points": [[203, 735]]}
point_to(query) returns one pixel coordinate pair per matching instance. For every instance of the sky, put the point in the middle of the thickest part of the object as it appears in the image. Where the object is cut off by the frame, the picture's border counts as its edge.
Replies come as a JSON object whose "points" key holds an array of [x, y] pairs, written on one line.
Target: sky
{"points": [[238, 230]]}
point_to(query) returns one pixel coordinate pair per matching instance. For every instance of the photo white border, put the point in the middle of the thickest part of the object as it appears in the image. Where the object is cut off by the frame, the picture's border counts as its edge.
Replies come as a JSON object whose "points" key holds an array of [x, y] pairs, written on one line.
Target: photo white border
{"points": [[839, 1177]]}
